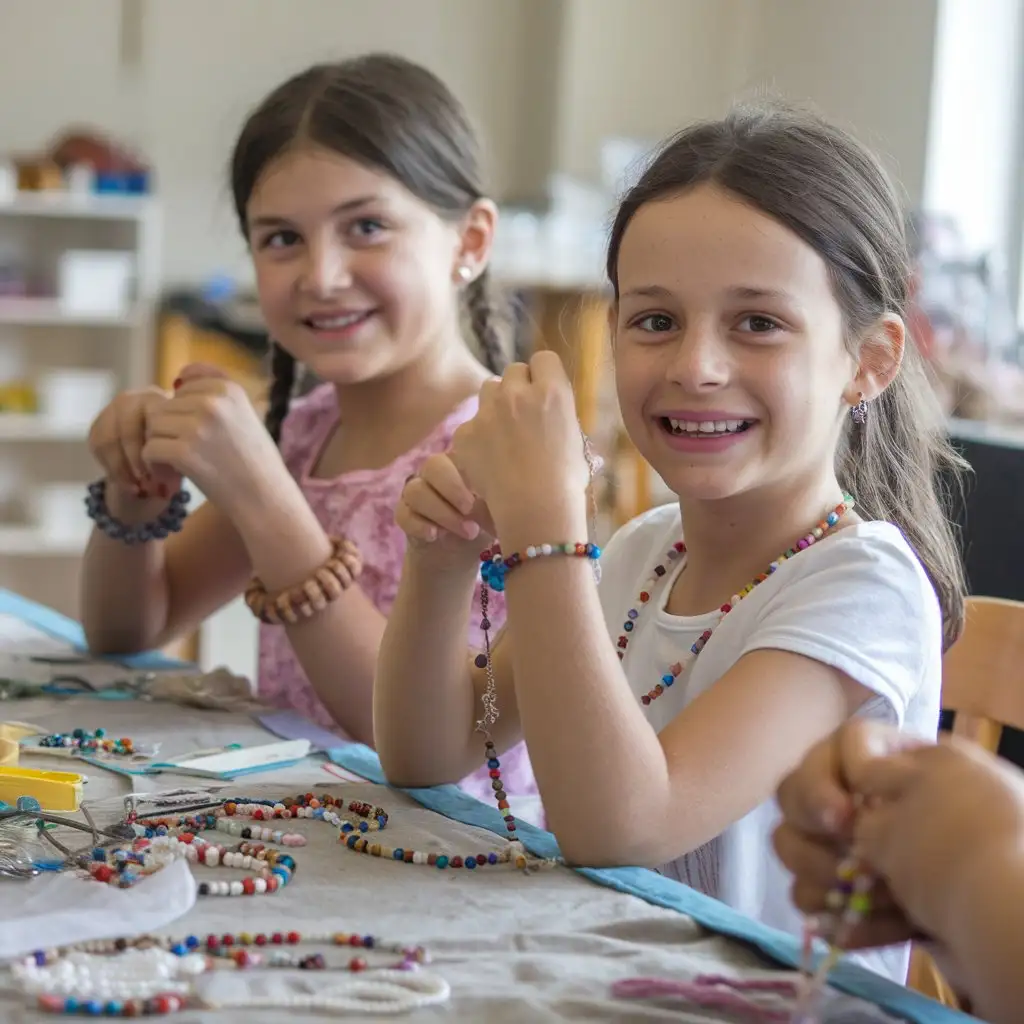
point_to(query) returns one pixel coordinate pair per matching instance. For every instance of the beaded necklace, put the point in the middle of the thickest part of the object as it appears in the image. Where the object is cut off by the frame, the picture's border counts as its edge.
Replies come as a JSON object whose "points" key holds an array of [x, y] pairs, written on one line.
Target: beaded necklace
{"points": [[660, 573], [82, 742], [156, 975]]}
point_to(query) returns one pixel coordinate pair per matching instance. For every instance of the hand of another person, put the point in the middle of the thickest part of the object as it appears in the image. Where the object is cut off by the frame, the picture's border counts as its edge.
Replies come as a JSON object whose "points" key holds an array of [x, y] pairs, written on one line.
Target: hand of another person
{"points": [[817, 829]]}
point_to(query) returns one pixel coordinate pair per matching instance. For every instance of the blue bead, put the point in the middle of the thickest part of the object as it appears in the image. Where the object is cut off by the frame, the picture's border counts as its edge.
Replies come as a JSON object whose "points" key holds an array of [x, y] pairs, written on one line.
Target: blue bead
{"points": [[628, 626], [668, 679], [632, 613], [287, 862], [40, 957], [493, 763], [93, 1007], [492, 858], [113, 1008], [180, 949], [595, 551], [368, 941], [382, 820], [347, 827], [71, 1005], [442, 861], [364, 826], [192, 942], [470, 862], [832, 519], [351, 841], [398, 854], [99, 854]]}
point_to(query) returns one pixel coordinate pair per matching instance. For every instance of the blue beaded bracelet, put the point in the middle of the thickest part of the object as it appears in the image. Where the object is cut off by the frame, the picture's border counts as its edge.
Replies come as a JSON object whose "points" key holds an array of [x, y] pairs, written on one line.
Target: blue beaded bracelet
{"points": [[169, 521], [494, 566]]}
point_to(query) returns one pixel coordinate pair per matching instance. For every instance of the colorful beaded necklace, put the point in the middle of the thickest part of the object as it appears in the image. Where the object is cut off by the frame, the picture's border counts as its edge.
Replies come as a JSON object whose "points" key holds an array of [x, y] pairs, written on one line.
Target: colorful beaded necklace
{"points": [[660, 573], [155, 976]]}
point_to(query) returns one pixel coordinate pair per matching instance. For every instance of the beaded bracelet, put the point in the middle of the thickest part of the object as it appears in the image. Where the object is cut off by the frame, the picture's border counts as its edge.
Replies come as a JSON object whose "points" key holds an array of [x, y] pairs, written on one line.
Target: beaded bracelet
{"points": [[494, 566], [169, 521], [307, 599]]}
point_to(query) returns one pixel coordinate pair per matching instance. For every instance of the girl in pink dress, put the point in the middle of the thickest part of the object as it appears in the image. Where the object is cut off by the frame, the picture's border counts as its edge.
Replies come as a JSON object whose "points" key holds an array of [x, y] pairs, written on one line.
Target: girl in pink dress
{"points": [[357, 188]]}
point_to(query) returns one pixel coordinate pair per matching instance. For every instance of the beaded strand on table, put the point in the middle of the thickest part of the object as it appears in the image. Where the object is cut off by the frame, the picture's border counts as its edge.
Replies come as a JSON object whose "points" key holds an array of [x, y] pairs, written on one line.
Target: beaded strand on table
{"points": [[83, 742]]}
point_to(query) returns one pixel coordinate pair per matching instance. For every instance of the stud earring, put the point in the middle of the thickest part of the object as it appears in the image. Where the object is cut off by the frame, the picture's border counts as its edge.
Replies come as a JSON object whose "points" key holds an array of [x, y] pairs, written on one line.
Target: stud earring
{"points": [[464, 273], [859, 412]]}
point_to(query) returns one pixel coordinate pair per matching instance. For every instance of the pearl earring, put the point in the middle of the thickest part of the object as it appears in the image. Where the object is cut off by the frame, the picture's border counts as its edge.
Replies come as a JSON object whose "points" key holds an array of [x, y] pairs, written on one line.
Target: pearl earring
{"points": [[464, 273]]}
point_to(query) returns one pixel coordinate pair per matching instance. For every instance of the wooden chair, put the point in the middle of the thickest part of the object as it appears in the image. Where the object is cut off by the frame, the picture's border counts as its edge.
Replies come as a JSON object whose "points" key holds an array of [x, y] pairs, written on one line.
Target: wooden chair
{"points": [[983, 684]]}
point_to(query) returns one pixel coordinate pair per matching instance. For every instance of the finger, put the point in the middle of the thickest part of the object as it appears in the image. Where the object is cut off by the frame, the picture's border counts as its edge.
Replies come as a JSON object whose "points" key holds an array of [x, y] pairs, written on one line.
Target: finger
{"points": [[863, 742], [516, 373], [442, 475], [415, 526], [131, 432], [163, 452], [425, 502], [199, 371], [887, 779], [884, 928], [812, 798], [546, 367], [813, 861], [489, 391]]}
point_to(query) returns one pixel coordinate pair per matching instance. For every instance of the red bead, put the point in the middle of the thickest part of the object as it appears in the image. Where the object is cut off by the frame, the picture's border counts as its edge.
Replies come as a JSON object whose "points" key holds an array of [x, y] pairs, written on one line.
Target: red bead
{"points": [[355, 940], [357, 963], [277, 938], [294, 937], [726, 608], [261, 939], [495, 773], [103, 873], [644, 596], [248, 886], [212, 942], [257, 815], [456, 862], [228, 939]]}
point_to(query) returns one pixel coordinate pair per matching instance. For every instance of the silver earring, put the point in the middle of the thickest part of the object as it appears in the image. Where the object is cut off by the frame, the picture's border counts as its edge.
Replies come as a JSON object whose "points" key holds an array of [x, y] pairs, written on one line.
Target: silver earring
{"points": [[464, 273], [859, 412]]}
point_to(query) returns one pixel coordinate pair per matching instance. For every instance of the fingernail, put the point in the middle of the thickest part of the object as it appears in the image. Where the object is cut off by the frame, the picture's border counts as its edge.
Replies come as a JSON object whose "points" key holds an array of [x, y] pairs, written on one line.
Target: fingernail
{"points": [[177, 383], [470, 530]]}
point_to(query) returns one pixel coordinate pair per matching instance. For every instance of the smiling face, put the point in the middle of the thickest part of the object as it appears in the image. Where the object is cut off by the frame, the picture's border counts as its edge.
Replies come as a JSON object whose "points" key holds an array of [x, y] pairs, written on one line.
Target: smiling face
{"points": [[356, 276], [731, 368]]}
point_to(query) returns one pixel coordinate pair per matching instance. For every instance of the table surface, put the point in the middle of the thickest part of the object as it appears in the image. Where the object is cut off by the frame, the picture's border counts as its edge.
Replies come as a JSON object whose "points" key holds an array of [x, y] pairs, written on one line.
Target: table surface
{"points": [[542, 947]]}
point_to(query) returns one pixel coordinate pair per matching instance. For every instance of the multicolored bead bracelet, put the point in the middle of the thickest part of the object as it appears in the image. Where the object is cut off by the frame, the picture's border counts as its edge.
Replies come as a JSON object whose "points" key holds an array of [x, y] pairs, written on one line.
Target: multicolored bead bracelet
{"points": [[80, 741], [494, 566]]}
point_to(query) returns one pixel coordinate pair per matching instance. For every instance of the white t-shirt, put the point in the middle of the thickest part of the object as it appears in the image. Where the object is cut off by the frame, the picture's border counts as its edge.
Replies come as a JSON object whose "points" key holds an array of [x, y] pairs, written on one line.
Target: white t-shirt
{"points": [[858, 600]]}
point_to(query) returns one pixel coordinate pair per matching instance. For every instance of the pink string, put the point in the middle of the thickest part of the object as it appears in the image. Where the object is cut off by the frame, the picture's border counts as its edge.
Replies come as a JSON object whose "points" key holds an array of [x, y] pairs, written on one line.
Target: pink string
{"points": [[713, 991]]}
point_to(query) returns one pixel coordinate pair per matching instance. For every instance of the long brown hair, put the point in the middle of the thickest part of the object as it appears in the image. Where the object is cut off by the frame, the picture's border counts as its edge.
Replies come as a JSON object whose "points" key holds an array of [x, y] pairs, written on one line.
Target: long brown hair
{"points": [[832, 192], [390, 114]]}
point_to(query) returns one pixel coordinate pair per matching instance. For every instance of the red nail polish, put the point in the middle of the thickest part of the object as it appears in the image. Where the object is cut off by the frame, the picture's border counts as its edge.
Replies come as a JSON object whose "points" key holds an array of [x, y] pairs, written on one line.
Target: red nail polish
{"points": [[177, 383]]}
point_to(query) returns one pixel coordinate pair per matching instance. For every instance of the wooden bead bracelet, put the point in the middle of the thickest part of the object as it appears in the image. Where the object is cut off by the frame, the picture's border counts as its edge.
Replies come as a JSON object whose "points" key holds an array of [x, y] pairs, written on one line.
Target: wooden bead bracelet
{"points": [[307, 599]]}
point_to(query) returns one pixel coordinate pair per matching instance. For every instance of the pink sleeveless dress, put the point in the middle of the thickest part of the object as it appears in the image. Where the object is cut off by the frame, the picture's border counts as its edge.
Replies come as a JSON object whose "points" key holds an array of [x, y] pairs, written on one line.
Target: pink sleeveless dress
{"points": [[360, 505]]}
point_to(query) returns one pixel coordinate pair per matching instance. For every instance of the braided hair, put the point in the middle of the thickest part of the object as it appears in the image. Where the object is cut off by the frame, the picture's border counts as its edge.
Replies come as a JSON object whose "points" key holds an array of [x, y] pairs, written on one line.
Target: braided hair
{"points": [[282, 387]]}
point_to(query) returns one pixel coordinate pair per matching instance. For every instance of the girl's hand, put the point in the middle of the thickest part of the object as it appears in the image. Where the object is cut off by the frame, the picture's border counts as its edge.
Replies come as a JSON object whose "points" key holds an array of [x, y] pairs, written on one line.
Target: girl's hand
{"points": [[523, 452], [935, 816], [818, 824], [439, 513], [116, 440], [211, 433]]}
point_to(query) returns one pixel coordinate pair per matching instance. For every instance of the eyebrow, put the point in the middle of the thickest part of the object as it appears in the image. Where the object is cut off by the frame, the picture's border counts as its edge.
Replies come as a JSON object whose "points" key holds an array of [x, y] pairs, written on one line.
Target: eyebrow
{"points": [[656, 291], [271, 220]]}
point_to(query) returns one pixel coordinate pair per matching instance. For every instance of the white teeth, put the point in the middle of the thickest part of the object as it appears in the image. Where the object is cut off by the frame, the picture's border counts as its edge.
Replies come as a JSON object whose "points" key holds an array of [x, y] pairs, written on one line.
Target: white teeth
{"points": [[706, 426], [329, 323]]}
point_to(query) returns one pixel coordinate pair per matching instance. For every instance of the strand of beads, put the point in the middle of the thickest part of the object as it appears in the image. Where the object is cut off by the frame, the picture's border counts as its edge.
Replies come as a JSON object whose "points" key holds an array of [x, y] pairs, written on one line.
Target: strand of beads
{"points": [[146, 976], [494, 568], [169, 521], [125, 867], [83, 742], [660, 573]]}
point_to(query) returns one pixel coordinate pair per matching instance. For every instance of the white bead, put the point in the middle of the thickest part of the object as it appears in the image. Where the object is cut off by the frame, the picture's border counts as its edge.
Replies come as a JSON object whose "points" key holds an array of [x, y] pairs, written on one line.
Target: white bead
{"points": [[545, 549], [531, 552], [236, 888], [261, 885], [419, 858]]}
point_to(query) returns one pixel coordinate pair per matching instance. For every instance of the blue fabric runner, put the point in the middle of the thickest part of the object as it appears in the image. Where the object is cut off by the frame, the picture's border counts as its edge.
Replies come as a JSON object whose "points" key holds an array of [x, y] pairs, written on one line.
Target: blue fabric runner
{"points": [[665, 892]]}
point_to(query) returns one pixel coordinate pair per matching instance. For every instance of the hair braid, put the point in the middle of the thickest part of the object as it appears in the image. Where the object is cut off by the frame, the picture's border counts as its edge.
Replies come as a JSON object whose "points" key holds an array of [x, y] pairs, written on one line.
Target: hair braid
{"points": [[282, 384], [484, 320]]}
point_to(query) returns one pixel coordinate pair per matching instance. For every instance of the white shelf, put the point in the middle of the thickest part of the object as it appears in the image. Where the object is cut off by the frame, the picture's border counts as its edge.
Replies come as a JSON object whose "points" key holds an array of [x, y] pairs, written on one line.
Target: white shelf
{"points": [[31, 541], [30, 427], [69, 205], [50, 313]]}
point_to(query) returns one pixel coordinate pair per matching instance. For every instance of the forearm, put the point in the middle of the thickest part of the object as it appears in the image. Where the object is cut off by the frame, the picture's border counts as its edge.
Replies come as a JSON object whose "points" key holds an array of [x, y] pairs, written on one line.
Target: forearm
{"points": [[336, 648], [423, 696], [124, 591], [567, 673], [986, 937]]}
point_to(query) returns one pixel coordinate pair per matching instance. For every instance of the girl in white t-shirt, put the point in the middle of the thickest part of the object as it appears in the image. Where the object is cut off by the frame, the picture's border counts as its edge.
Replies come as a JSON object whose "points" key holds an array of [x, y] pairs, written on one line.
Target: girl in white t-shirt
{"points": [[760, 273]]}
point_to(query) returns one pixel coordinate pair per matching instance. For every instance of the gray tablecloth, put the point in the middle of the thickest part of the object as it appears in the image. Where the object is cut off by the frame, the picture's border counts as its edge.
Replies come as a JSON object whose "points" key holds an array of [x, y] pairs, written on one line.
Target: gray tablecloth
{"points": [[543, 947]]}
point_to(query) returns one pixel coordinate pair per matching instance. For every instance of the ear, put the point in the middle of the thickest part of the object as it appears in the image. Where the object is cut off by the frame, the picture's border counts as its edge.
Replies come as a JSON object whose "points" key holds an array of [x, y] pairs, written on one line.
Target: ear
{"points": [[879, 360], [476, 237]]}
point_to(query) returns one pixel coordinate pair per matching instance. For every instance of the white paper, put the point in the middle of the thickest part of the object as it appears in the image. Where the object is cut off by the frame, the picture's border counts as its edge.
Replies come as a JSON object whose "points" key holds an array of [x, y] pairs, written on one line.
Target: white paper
{"points": [[58, 910]]}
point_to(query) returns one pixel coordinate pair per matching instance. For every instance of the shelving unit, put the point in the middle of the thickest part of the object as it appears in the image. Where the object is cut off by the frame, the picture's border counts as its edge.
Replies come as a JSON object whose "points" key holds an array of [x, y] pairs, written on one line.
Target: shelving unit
{"points": [[40, 334]]}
